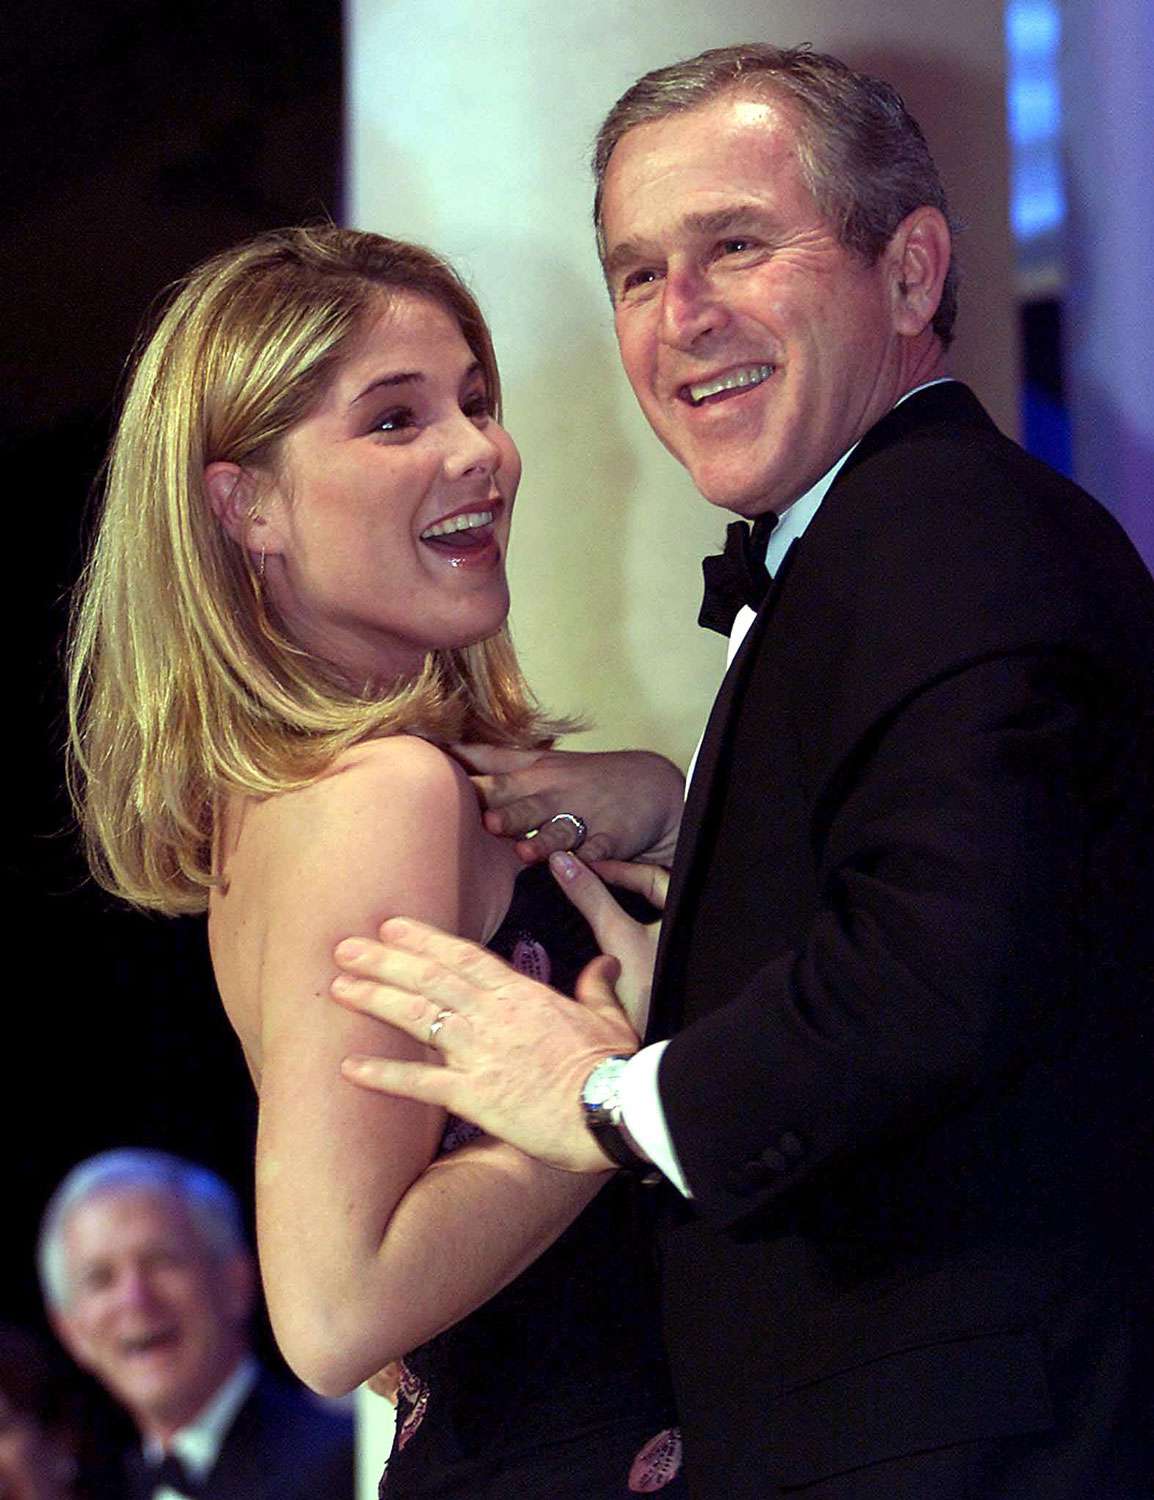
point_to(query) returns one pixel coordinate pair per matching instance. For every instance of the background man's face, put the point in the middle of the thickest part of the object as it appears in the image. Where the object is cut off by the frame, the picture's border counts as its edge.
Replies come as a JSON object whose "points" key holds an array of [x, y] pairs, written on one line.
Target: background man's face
{"points": [[759, 348], [150, 1312]]}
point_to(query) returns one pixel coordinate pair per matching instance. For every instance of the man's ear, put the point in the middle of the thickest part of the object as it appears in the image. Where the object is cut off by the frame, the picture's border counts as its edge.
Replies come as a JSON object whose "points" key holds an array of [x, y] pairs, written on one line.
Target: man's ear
{"points": [[919, 258]]}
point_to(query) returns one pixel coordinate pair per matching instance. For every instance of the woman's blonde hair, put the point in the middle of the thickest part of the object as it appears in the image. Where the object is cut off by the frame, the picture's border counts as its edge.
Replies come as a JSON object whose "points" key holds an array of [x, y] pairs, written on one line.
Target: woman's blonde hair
{"points": [[181, 684]]}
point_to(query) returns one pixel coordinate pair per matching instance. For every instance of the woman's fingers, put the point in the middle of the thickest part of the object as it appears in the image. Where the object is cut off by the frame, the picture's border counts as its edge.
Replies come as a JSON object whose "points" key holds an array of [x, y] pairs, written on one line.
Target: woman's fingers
{"points": [[633, 943], [493, 760], [596, 986], [650, 881], [593, 899]]}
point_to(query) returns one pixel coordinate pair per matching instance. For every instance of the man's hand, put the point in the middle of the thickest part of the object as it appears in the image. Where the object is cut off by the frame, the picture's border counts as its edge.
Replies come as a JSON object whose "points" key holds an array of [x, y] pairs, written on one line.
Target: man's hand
{"points": [[630, 800], [515, 1053]]}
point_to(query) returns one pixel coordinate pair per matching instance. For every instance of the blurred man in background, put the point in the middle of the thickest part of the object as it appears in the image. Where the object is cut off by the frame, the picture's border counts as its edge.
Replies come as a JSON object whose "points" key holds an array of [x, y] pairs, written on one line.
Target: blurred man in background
{"points": [[150, 1285]]}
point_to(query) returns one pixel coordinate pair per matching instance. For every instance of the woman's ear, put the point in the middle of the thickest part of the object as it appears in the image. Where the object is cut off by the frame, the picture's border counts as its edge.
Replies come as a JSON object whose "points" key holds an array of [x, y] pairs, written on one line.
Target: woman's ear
{"points": [[232, 493]]}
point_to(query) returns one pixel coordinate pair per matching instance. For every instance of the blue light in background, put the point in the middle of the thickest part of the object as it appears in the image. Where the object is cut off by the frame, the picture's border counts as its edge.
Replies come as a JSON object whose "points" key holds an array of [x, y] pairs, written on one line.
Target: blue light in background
{"points": [[1034, 108]]}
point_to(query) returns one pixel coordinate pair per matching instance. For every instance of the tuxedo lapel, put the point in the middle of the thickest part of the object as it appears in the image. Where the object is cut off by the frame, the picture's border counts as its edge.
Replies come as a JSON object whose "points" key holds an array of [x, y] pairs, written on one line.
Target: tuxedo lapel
{"points": [[712, 759], [135, 1475], [238, 1466]]}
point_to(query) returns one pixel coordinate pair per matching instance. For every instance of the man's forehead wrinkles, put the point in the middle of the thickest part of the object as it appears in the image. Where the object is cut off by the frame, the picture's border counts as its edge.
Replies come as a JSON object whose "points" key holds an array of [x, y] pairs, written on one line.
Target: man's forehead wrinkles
{"points": [[729, 216]]}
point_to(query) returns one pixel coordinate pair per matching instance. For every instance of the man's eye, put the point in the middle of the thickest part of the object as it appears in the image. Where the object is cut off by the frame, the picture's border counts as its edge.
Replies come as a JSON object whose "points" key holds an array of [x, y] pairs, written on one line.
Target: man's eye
{"points": [[637, 281], [737, 245]]}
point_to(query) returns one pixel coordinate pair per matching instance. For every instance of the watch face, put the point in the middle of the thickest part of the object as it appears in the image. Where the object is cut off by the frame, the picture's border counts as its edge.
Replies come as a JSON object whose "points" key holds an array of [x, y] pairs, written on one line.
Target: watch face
{"points": [[601, 1087]]}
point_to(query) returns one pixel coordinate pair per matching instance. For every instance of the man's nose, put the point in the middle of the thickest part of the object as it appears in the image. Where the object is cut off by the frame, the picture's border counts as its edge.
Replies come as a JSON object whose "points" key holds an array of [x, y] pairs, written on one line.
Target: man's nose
{"points": [[690, 307], [135, 1287]]}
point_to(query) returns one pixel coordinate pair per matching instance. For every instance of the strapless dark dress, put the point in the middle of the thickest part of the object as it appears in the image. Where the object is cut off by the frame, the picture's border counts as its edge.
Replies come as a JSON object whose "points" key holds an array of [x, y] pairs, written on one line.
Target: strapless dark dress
{"points": [[556, 1388]]}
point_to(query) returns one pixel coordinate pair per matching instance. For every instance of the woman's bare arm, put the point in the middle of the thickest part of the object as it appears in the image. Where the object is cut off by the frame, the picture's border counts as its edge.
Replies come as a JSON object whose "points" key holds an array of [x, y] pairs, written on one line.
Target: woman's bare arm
{"points": [[369, 1243]]}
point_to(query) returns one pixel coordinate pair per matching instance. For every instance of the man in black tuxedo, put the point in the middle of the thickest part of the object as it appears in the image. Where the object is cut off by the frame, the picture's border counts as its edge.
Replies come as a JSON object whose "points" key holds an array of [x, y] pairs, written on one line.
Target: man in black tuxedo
{"points": [[901, 1071], [150, 1285]]}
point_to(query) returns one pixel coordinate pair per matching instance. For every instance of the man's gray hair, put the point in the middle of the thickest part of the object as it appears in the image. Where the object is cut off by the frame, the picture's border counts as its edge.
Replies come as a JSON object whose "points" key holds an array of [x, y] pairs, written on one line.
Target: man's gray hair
{"points": [[210, 1203], [862, 154]]}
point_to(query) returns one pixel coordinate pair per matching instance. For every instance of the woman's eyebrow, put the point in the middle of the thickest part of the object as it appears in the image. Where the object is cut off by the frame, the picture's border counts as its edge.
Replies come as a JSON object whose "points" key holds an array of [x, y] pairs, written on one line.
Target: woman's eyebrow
{"points": [[402, 377]]}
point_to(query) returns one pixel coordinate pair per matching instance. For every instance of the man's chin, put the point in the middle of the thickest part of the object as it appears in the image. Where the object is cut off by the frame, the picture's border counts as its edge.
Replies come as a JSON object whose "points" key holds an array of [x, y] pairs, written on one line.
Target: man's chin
{"points": [[738, 498], [155, 1394]]}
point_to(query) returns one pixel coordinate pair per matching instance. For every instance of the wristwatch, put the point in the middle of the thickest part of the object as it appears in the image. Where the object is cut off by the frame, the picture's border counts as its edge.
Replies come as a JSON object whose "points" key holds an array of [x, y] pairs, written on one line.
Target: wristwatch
{"points": [[601, 1101]]}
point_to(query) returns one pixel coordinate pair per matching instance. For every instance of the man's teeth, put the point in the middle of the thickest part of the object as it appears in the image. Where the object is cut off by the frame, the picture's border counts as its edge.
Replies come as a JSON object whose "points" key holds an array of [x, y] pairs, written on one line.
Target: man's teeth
{"points": [[459, 523], [734, 380], [143, 1342]]}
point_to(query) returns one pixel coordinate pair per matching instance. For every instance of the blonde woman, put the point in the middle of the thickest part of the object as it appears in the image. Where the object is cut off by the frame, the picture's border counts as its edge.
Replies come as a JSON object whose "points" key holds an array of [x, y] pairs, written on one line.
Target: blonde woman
{"points": [[296, 597]]}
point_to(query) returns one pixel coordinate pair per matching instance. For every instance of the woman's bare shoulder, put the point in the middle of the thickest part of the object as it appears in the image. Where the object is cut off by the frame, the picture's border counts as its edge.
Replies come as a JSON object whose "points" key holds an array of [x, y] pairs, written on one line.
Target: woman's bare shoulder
{"points": [[397, 821], [389, 782]]}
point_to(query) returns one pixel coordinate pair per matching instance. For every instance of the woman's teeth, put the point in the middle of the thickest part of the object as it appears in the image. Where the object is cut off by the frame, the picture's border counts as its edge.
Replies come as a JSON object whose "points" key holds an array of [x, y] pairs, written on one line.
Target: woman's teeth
{"points": [[733, 381], [467, 522]]}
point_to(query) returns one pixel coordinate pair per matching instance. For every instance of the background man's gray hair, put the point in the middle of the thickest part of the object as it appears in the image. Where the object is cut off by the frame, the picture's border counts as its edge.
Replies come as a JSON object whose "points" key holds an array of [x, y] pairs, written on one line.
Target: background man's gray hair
{"points": [[862, 154], [209, 1202]]}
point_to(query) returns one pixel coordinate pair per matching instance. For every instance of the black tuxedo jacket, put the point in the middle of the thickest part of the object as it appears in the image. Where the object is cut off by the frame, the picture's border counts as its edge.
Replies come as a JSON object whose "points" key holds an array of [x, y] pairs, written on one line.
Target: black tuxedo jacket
{"points": [[282, 1445], [908, 966]]}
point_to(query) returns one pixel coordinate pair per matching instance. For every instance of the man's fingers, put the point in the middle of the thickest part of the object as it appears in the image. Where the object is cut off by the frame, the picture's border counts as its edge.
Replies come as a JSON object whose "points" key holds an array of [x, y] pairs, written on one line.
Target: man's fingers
{"points": [[408, 1012], [650, 881], [417, 956], [427, 1085]]}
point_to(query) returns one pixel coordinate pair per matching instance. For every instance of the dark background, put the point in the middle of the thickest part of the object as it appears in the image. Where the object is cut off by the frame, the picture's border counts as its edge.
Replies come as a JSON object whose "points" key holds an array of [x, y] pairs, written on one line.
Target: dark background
{"points": [[137, 139]]}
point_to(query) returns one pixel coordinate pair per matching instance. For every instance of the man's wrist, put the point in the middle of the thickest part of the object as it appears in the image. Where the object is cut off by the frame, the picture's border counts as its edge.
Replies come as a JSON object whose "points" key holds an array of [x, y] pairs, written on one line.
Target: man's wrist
{"points": [[601, 1104]]}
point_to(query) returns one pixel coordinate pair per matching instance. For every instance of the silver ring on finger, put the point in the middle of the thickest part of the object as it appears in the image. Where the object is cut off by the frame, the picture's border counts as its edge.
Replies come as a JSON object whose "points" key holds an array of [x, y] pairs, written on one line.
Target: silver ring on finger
{"points": [[436, 1026], [578, 824]]}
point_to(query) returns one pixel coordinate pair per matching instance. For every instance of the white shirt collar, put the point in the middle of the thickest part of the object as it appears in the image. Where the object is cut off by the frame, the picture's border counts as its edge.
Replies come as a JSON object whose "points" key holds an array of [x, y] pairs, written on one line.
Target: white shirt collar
{"points": [[198, 1443]]}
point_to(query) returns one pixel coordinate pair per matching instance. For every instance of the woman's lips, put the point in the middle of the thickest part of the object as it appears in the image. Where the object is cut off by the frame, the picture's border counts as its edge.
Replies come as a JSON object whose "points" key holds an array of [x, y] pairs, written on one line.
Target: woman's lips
{"points": [[468, 540]]}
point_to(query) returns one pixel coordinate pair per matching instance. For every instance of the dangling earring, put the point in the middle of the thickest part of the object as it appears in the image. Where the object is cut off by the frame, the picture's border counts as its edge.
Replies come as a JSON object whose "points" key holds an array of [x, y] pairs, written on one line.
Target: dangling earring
{"points": [[256, 519]]}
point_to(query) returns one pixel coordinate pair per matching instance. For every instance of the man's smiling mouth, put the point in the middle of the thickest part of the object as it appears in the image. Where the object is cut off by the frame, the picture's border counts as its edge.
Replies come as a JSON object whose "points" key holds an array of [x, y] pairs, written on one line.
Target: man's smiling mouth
{"points": [[725, 385]]}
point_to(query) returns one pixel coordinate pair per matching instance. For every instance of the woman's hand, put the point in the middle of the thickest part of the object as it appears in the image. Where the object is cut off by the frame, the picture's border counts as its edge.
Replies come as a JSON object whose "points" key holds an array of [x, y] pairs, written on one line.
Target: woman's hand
{"points": [[629, 800], [632, 943]]}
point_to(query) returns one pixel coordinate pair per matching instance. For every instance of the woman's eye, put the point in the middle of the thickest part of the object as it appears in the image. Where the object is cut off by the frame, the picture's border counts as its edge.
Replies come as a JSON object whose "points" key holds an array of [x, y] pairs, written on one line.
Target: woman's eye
{"points": [[396, 420], [477, 408]]}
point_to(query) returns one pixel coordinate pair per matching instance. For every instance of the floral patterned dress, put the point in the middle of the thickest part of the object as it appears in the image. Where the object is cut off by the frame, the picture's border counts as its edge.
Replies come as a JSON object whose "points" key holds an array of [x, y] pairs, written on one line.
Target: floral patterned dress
{"points": [[556, 1388]]}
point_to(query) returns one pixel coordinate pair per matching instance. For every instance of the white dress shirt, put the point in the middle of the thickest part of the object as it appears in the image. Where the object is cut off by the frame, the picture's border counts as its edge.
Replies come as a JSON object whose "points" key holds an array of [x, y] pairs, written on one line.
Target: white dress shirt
{"points": [[198, 1444], [640, 1100]]}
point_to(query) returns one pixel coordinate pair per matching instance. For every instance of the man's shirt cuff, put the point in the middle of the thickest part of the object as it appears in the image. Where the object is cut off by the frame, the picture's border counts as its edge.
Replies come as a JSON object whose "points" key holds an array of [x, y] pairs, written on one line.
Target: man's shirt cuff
{"points": [[644, 1117]]}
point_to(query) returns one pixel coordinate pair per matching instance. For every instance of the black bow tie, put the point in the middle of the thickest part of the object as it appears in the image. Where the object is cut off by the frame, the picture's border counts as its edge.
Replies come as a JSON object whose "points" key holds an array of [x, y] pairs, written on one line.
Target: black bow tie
{"points": [[171, 1471], [736, 576]]}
